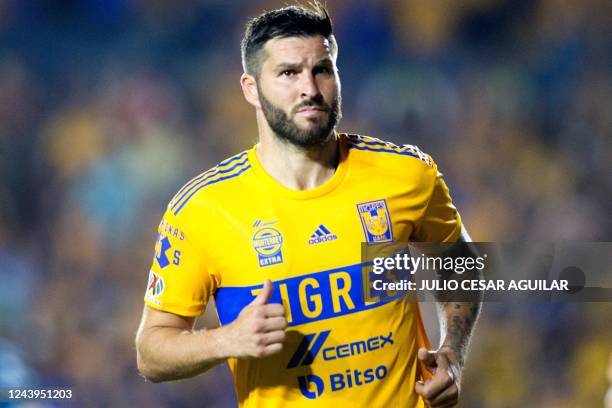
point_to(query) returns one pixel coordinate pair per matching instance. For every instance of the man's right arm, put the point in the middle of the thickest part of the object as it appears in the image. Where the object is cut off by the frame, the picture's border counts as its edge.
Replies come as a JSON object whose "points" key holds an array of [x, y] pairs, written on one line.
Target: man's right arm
{"points": [[169, 349]]}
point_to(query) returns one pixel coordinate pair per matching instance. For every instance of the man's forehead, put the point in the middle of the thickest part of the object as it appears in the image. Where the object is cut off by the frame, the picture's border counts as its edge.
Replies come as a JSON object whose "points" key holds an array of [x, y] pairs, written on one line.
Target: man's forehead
{"points": [[297, 49]]}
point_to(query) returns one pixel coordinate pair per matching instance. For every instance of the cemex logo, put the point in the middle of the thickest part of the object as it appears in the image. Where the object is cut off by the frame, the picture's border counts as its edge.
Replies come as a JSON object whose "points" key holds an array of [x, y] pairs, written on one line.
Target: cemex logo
{"points": [[306, 354], [312, 344]]}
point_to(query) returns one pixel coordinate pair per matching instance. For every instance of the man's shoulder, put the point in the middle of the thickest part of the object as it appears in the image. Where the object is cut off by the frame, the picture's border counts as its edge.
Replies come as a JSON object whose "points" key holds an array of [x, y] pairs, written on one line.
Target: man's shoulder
{"points": [[384, 153], [217, 180]]}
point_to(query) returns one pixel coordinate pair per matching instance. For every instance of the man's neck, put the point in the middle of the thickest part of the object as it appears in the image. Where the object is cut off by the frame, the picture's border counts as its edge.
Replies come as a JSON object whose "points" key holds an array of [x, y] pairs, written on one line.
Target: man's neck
{"points": [[295, 167]]}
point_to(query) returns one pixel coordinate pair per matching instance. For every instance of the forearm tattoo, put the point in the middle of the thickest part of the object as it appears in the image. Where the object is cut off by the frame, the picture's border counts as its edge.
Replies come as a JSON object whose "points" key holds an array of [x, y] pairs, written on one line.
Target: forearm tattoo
{"points": [[458, 314], [457, 321]]}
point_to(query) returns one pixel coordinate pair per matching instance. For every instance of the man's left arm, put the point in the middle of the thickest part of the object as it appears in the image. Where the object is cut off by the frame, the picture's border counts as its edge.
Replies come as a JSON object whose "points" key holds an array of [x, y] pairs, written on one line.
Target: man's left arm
{"points": [[457, 314]]}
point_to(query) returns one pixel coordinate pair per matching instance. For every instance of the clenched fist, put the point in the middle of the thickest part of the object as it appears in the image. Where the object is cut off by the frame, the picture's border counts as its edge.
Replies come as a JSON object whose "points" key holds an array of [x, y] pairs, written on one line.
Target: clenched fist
{"points": [[442, 390]]}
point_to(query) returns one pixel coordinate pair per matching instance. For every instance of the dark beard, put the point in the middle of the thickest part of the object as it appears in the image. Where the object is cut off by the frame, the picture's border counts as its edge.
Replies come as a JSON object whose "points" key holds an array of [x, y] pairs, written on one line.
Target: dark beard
{"points": [[288, 131]]}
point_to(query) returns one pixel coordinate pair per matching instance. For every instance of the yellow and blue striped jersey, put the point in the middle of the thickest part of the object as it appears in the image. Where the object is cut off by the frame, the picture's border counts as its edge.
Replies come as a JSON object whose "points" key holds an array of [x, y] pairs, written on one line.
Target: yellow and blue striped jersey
{"points": [[233, 226]]}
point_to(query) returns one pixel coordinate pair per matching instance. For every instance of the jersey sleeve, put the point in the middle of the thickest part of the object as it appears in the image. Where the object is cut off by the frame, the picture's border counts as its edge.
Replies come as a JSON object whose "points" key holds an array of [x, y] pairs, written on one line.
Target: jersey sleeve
{"points": [[180, 279], [441, 221]]}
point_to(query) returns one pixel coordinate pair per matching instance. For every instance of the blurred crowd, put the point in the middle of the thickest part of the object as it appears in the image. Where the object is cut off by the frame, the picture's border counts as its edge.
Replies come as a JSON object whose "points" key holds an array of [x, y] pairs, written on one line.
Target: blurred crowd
{"points": [[108, 107]]}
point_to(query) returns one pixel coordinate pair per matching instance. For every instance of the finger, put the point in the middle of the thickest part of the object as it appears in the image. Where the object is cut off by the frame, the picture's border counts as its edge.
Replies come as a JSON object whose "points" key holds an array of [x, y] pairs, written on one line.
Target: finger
{"points": [[449, 396], [275, 323], [437, 384], [446, 404], [273, 348], [264, 296], [277, 336], [274, 310], [442, 362], [428, 358], [449, 404], [419, 387]]}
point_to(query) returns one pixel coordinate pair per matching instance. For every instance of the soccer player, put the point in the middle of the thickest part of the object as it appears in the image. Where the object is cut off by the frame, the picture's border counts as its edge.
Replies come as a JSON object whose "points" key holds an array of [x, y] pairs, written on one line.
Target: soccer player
{"points": [[274, 235]]}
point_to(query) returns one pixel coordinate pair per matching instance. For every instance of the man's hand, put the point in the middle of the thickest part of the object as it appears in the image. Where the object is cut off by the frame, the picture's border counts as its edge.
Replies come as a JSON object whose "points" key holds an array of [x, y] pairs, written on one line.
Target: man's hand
{"points": [[259, 330], [442, 390]]}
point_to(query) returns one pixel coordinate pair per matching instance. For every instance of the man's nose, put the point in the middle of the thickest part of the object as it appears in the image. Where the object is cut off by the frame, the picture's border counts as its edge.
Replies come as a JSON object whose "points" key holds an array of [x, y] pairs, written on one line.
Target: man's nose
{"points": [[309, 87]]}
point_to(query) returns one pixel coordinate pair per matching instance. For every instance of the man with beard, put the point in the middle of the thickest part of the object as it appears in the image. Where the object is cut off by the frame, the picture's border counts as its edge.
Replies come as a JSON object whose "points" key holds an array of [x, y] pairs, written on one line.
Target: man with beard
{"points": [[292, 213]]}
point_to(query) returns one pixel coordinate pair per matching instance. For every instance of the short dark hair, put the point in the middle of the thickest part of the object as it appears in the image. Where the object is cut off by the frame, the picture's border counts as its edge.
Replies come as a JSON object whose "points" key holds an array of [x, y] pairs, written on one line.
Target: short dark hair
{"points": [[292, 21]]}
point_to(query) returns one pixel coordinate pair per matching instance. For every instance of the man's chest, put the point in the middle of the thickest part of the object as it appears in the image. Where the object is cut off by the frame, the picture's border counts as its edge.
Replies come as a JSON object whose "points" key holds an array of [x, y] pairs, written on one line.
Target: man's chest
{"points": [[275, 238], [310, 249]]}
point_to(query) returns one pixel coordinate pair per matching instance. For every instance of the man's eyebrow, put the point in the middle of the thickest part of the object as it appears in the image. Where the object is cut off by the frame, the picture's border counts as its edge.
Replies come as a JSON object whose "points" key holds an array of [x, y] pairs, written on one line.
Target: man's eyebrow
{"points": [[287, 65], [294, 65], [324, 61]]}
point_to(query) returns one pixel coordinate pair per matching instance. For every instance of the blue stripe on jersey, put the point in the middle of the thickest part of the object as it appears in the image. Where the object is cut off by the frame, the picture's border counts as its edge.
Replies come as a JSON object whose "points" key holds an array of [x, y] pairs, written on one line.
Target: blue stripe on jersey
{"points": [[214, 170], [383, 150], [349, 281], [375, 142], [324, 229], [382, 144], [207, 176], [208, 183], [377, 145], [371, 141]]}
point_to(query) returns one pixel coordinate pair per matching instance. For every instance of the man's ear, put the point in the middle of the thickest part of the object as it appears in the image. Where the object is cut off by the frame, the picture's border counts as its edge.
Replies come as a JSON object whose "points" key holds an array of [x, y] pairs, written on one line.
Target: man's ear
{"points": [[249, 89]]}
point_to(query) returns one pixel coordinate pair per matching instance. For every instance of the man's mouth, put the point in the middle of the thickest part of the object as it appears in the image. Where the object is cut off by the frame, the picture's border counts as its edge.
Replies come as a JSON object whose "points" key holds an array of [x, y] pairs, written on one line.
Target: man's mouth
{"points": [[312, 110]]}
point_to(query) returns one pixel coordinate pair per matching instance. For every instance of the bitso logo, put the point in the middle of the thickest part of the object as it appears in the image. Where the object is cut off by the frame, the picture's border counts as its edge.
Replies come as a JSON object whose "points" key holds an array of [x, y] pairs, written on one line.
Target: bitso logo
{"points": [[376, 221], [268, 243], [306, 382], [340, 381]]}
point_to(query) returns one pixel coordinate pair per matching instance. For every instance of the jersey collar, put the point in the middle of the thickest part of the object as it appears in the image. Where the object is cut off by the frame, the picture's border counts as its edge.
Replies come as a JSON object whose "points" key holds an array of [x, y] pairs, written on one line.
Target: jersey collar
{"points": [[277, 188]]}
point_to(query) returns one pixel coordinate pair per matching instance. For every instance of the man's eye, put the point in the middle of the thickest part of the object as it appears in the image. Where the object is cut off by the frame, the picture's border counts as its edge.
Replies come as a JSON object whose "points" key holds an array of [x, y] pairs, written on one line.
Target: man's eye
{"points": [[324, 70], [288, 72]]}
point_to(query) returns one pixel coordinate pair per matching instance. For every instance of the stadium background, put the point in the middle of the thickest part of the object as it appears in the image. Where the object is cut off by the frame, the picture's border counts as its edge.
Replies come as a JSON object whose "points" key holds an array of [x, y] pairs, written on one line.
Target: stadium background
{"points": [[108, 106]]}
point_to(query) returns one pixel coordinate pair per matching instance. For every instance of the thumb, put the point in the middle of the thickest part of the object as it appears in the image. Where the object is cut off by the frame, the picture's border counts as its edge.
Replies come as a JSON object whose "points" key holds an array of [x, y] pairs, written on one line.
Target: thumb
{"points": [[419, 387], [264, 296], [428, 358]]}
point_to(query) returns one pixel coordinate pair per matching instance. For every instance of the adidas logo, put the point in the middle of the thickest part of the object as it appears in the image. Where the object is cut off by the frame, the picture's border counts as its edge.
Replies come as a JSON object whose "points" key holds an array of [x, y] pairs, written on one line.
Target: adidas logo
{"points": [[321, 234]]}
